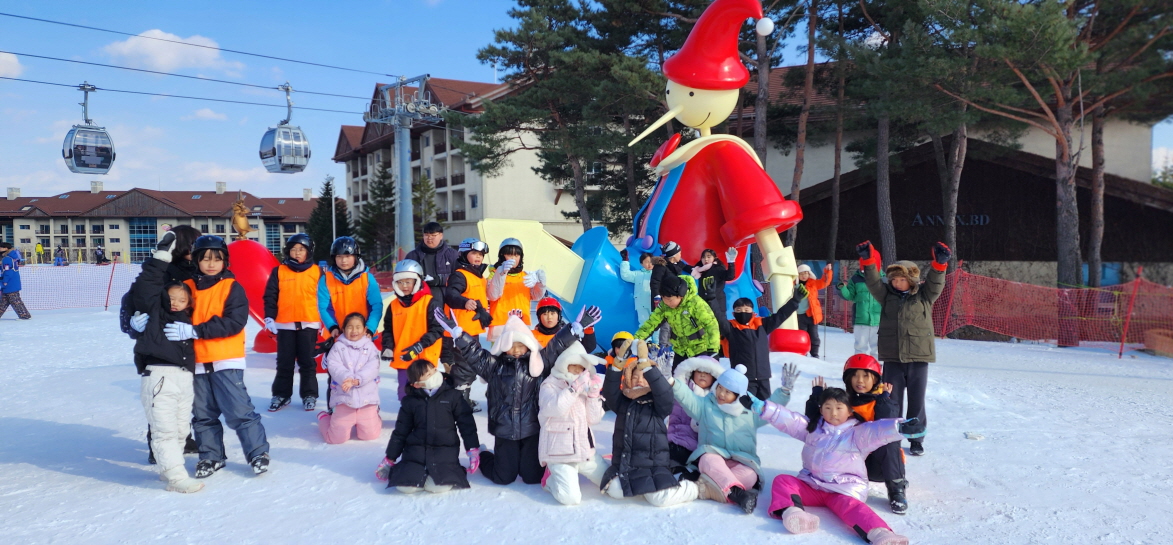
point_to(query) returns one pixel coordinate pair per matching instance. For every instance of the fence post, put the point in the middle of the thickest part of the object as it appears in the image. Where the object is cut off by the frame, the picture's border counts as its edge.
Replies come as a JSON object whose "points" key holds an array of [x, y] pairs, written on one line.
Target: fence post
{"points": [[952, 294], [1131, 302], [110, 285]]}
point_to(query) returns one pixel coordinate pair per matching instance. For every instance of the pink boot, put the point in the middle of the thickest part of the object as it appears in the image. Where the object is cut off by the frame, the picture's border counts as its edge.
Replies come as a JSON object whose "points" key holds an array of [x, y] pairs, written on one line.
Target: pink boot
{"points": [[798, 521], [884, 536]]}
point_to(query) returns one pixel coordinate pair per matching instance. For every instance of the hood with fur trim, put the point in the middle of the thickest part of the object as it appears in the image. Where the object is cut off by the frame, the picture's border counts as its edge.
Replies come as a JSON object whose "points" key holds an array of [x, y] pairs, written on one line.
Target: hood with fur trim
{"points": [[574, 354], [699, 363], [906, 269], [513, 331]]}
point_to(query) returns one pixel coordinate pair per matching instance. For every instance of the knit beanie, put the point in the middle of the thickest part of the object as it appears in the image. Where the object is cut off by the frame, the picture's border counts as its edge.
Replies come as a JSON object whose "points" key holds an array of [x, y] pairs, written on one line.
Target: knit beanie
{"points": [[734, 380], [673, 286], [804, 268], [670, 249]]}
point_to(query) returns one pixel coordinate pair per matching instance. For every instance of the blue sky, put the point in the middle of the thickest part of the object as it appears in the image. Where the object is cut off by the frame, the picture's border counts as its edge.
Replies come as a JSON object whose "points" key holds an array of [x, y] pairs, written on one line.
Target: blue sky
{"points": [[183, 144]]}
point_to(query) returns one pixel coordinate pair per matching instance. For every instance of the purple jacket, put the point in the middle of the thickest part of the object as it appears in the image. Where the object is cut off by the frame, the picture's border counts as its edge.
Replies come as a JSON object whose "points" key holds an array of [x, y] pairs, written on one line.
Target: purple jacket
{"points": [[833, 456], [349, 359]]}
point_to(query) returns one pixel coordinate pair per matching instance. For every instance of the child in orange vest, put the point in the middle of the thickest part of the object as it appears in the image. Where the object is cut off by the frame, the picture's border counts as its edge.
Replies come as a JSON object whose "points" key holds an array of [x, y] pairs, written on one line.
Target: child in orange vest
{"points": [[410, 330], [220, 311], [810, 312], [467, 294], [510, 287], [347, 286], [291, 313], [550, 323]]}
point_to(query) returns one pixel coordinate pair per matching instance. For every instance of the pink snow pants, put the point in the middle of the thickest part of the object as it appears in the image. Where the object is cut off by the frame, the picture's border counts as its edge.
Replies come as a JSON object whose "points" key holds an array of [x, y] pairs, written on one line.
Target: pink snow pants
{"points": [[851, 511], [727, 473], [336, 428]]}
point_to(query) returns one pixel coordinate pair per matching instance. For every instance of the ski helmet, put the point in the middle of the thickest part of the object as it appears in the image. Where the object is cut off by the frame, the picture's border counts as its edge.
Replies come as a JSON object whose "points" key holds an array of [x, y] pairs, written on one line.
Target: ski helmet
{"points": [[208, 242], [344, 246], [510, 242], [473, 245], [408, 269], [862, 361], [549, 303], [304, 240]]}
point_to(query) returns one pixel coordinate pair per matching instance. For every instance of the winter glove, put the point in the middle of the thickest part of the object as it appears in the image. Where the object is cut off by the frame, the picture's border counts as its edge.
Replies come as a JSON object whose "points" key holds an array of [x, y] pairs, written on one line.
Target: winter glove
{"points": [[138, 322], [507, 266], [587, 317], [800, 292], [387, 355], [789, 377], [541, 274], [941, 253], [448, 324], [383, 472], [483, 316], [412, 352], [912, 428], [474, 460], [164, 247], [623, 350], [271, 326], [596, 387], [516, 313], [581, 384], [708, 283], [179, 331], [731, 255], [752, 403], [864, 249], [530, 280]]}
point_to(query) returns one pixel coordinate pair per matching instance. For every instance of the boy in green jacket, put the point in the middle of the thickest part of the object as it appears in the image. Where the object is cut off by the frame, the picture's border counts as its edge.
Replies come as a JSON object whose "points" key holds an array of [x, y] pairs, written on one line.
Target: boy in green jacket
{"points": [[867, 313], [694, 328]]}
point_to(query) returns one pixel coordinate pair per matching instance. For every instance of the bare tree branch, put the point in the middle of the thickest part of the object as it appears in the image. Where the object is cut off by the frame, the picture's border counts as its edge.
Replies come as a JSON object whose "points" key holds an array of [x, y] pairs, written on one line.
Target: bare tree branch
{"points": [[1035, 124]]}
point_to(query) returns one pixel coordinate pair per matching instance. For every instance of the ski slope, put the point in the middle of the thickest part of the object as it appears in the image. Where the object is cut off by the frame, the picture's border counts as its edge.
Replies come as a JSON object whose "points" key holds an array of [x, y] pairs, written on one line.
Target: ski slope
{"points": [[1075, 449]]}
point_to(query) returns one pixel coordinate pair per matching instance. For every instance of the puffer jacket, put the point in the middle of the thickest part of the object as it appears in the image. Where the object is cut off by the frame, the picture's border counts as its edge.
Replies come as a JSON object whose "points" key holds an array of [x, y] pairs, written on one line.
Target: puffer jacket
{"points": [[730, 437], [358, 360], [906, 319], [513, 391], [426, 435], [10, 275], [681, 428], [660, 271], [639, 446], [642, 279], [711, 285], [833, 456], [814, 308], [151, 347], [866, 309], [749, 344], [566, 417], [695, 329]]}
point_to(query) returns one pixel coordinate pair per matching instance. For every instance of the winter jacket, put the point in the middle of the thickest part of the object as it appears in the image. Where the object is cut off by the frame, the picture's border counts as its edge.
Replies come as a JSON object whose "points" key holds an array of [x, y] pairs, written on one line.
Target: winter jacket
{"points": [[658, 273], [906, 319], [639, 446], [681, 428], [10, 276], [711, 285], [353, 360], [373, 297], [694, 328], [642, 279], [512, 393], [232, 320], [866, 309], [833, 456], [749, 344], [438, 263], [566, 417], [730, 437], [430, 333], [426, 436], [876, 405], [544, 334], [151, 346], [177, 271], [815, 309]]}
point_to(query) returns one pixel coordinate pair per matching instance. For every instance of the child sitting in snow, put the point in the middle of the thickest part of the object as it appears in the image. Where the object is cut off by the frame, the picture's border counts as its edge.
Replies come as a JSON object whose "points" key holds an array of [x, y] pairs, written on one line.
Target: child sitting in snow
{"points": [[426, 436], [569, 404], [727, 441], [698, 373], [871, 400], [353, 364], [833, 471]]}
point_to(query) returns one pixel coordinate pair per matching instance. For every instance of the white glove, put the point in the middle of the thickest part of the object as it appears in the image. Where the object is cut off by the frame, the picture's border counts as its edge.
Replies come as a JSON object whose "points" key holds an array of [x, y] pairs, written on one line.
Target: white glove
{"points": [[507, 266], [179, 331], [271, 326], [581, 384], [388, 355], [138, 322], [164, 247], [731, 255], [531, 279], [541, 276], [577, 329]]}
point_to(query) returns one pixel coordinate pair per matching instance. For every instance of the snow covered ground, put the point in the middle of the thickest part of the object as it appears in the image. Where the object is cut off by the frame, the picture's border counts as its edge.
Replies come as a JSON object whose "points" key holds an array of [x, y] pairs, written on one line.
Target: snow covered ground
{"points": [[1076, 449]]}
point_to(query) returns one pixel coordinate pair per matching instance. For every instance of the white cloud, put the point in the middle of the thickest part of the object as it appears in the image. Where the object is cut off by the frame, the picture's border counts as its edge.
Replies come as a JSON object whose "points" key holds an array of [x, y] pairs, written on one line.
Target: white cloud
{"points": [[10, 66], [168, 57], [207, 114], [1162, 157]]}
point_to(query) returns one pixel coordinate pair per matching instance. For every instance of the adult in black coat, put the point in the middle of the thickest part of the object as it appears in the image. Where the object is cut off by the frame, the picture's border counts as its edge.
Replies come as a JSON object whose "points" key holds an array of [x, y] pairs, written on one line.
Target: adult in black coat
{"points": [[639, 453], [426, 437]]}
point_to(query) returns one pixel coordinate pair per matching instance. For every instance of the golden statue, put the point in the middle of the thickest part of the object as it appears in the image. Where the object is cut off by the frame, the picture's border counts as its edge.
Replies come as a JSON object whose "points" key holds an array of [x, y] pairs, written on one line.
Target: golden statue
{"points": [[240, 218]]}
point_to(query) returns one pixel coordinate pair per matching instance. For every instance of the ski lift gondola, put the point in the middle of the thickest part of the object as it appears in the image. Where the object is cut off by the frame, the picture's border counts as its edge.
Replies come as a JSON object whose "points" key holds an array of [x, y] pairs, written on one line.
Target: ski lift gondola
{"points": [[285, 148], [88, 149]]}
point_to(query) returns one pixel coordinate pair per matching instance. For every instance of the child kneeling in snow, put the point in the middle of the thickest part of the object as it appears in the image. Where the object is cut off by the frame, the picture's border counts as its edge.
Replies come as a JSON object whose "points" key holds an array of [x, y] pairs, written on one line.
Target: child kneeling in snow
{"points": [[727, 437], [569, 404], [353, 364], [833, 471], [426, 435]]}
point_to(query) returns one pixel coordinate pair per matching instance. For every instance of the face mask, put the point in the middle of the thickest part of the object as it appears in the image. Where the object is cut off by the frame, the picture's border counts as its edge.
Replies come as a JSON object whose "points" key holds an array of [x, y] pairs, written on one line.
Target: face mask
{"points": [[743, 318], [731, 409], [434, 381]]}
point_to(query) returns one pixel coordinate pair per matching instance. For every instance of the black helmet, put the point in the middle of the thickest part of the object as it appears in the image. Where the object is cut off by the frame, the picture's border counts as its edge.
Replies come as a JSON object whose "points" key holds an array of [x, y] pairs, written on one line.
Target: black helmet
{"points": [[208, 242], [304, 240], [344, 246]]}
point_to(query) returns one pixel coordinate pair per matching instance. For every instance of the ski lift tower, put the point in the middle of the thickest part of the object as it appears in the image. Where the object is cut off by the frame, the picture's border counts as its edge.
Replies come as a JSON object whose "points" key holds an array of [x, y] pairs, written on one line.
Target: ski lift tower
{"points": [[394, 106]]}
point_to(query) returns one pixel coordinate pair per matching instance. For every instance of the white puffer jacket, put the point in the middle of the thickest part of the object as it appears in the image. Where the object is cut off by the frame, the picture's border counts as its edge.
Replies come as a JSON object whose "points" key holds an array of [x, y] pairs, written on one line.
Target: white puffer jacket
{"points": [[566, 411]]}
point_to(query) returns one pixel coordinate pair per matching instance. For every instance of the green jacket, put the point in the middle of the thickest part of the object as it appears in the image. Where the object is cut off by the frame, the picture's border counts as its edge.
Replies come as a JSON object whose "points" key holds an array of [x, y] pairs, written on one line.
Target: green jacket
{"points": [[694, 328], [866, 308], [906, 319], [730, 437]]}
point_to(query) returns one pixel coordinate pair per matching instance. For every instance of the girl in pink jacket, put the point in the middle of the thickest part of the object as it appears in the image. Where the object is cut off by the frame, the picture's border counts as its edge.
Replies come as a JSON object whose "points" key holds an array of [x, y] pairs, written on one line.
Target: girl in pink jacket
{"points": [[353, 364], [833, 472], [569, 403]]}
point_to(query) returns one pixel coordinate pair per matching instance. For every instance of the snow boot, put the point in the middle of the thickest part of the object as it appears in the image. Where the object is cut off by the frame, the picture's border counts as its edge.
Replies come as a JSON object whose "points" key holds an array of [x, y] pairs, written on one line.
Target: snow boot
{"points": [[798, 521], [190, 446], [260, 464], [896, 497], [278, 403], [916, 448], [309, 403], [884, 536], [745, 499], [186, 485], [706, 490], [205, 468]]}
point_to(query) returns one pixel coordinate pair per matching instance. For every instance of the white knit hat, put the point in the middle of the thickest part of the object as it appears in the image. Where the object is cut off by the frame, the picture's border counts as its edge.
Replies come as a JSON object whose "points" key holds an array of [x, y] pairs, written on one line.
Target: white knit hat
{"points": [[804, 268]]}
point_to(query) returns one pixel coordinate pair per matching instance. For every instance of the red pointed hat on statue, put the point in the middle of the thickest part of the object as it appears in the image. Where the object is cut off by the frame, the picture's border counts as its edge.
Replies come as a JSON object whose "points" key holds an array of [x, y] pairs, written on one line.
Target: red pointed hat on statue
{"points": [[709, 58]]}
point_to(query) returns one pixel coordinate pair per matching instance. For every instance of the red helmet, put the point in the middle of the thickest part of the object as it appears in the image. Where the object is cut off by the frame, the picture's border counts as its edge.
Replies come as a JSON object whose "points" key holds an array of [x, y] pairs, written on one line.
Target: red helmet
{"points": [[863, 361], [548, 303]]}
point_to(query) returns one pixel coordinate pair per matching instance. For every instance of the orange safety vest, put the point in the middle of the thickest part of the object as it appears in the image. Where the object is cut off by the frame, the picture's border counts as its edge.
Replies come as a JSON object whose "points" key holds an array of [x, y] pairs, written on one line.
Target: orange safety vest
{"points": [[514, 296], [409, 323], [207, 304], [347, 299], [297, 300], [476, 290], [611, 361]]}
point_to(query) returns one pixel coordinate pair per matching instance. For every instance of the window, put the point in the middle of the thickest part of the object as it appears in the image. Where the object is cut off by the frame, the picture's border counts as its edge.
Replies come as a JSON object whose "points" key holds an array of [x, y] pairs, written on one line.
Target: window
{"points": [[34, 200], [273, 238], [63, 196], [112, 241], [63, 229], [258, 208], [280, 201], [26, 241], [45, 242], [43, 229], [196, 196], [427, 140], [289, 227], [26, 227], [220, 228], [81, 242], [79, 229], [472, 201], [114, 227], [203, 228], [96, 229], [98, 241], [111, 196], [143, 237], [25, 208]]}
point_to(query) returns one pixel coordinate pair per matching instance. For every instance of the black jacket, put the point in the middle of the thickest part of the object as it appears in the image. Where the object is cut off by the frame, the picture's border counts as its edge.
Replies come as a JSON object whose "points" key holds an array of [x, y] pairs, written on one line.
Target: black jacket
{"points": [[429, 337], [426, 435], [273, 286], [639, 447], [152, 346], [751, 347], [438, 263], [660, 271], [176, 272], [512, 392], [454, 291], [714, 294], [235, 315], [589, 342]]}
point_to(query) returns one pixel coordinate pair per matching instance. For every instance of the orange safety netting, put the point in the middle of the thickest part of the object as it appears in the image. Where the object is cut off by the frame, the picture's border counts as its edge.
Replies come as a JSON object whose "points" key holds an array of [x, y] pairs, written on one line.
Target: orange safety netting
{"points": [[81, 285]]}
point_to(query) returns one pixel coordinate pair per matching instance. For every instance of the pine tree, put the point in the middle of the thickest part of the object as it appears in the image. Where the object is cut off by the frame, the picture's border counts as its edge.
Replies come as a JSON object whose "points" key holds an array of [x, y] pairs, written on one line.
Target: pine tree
{"points": [[319, 227], [375, 228]]}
